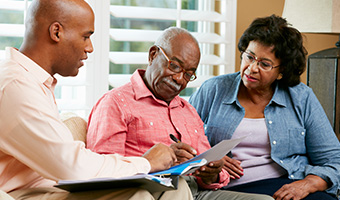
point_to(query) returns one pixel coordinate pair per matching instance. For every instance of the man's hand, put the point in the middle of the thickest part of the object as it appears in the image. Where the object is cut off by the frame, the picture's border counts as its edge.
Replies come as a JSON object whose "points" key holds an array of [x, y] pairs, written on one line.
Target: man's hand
{"points": [[300, 189], [160, 156], [209, 173], [183, 152], [233, 167]]}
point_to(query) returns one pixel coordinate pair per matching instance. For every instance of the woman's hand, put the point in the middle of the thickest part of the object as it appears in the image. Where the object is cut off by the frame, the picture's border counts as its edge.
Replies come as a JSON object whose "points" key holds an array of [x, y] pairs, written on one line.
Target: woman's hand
{"points": [[301, 188], [233, 167]]}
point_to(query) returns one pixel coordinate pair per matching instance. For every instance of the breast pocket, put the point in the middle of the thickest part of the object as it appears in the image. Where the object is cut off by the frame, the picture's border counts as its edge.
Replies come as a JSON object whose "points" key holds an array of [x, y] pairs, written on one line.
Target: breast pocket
{"points": [[194, 134], [149, 131], [297, 141]]}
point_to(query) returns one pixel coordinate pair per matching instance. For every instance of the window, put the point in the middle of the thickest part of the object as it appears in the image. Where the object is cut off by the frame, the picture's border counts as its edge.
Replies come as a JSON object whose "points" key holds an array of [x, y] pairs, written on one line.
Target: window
{"points": [[124, 31], [134, 26]]}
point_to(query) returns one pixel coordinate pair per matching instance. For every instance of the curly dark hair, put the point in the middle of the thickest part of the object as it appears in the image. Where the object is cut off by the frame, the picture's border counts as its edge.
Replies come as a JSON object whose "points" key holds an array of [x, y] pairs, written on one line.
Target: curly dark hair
{"points": [[287, 42]]}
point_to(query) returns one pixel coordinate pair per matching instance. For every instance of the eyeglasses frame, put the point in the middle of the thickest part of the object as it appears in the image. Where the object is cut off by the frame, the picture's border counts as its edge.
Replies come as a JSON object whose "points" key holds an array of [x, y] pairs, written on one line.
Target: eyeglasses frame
{"points": [[258, 61], [182, 69]]}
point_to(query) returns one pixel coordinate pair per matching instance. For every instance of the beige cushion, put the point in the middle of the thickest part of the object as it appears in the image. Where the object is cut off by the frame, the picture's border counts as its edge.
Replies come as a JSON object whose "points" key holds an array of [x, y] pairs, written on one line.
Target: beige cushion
{"points": [[76, 124]]}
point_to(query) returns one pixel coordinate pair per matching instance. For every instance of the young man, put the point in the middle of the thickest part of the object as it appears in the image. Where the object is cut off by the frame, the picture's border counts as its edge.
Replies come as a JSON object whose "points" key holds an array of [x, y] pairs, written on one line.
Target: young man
{"points": [[130, 119], [36, 148]]}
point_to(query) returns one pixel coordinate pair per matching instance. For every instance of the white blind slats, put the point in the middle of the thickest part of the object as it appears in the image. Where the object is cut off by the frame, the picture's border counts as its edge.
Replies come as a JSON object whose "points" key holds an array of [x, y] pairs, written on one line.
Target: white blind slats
{"points": [[142, 58], [210, 38], [135, 35], [12, 30], [2, 54], [116, 80], [13, 5], [72, 105], [210, 59], [81, 92], [129, 57], [134, 12]]}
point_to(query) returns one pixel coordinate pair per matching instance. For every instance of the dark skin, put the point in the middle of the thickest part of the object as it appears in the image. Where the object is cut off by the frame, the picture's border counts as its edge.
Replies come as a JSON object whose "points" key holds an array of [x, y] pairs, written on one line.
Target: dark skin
{"points": [[57, 38], [208, 173], [254, 94], [166, 85], [65, 41]]}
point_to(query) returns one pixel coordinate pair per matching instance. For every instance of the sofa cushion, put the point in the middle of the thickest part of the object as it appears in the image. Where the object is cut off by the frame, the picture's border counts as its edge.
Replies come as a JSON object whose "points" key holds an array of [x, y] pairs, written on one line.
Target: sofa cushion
{"points": [[76, 124]]}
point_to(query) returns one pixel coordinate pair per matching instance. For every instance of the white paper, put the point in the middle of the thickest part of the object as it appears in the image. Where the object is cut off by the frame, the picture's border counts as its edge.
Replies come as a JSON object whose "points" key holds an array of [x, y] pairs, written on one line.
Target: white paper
{"points": [[218, 151]]}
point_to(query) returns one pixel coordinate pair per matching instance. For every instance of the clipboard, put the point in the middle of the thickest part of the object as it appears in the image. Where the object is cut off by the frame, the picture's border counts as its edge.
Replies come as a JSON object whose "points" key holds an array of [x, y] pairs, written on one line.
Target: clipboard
{"points": [[151, 182], [144, 181], [182, 169]]}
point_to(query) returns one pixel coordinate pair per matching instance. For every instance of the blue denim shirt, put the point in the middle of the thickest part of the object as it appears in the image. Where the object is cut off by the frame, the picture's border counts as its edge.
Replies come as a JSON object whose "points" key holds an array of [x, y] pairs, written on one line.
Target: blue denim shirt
{"points": [[301, 137]]}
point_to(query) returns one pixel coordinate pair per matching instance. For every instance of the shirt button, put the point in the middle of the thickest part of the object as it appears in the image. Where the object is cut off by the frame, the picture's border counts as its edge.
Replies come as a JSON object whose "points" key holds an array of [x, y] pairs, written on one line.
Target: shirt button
{"points": [[281, 161], [205, 128], [151, 123], [274, 142], [270, 122], [122, 99], [195, 131], [292, 176], [302, 133], [118, 94]]}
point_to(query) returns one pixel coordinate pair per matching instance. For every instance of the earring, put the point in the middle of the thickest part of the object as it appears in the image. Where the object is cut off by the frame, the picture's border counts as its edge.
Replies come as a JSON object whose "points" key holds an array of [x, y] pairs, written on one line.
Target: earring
{"points": [[280, 76]]}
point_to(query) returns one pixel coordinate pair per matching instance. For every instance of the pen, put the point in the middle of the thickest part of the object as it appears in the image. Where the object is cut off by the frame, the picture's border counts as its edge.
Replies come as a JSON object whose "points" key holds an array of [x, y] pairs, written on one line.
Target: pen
{"points": [[178, 141], [174, 138]]}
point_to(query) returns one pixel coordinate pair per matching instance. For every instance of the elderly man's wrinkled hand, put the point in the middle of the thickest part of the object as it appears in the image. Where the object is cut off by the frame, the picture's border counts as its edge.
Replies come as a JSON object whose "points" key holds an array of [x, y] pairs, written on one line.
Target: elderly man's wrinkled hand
{"points": [[183, 152], [209, 173], [161, 157]]}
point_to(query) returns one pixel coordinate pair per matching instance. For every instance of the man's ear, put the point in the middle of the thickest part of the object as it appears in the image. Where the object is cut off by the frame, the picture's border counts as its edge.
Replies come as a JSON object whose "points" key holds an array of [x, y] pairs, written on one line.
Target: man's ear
{"points": [[55, 31], [153, 52]]}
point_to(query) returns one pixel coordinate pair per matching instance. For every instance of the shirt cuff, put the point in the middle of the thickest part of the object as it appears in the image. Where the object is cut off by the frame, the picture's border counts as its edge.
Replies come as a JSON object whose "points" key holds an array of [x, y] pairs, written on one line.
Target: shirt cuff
{"points": [[224, 179]]}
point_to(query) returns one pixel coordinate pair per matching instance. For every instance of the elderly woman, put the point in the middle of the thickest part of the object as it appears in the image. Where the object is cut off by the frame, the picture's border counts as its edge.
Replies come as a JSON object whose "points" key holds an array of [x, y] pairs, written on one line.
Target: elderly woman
{"points": [[291, 151]]}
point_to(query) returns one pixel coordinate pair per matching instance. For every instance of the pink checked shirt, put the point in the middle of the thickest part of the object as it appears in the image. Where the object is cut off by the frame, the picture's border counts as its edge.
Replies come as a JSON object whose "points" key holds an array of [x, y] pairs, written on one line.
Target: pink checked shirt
{"points": [[129, 120]]}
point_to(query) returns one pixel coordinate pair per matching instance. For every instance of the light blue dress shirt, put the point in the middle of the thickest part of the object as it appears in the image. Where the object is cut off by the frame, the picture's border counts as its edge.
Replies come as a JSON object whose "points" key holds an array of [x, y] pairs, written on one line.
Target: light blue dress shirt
{"points": [[301, 137]]}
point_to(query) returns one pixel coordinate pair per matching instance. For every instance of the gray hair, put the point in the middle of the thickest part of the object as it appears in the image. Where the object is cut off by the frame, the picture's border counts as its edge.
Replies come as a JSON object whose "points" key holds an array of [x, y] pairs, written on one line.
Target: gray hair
{"points": [[169, 34]]}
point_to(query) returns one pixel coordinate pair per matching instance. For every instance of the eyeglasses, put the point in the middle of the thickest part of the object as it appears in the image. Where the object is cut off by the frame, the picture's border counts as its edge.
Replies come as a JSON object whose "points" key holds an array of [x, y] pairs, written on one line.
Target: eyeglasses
{"points": [[188, 76], [250, 59]]}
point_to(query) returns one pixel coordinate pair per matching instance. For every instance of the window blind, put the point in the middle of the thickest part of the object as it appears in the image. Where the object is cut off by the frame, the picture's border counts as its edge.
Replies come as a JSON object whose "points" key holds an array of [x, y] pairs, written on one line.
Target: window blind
{"points": [[124, 31], [137, 23]]}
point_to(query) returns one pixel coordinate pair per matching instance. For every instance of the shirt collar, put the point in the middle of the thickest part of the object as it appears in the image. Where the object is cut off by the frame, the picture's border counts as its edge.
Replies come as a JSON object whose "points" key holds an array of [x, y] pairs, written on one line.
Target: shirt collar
{"points": [[233, 90], [278, 97], [142, 91], [29, 65]]}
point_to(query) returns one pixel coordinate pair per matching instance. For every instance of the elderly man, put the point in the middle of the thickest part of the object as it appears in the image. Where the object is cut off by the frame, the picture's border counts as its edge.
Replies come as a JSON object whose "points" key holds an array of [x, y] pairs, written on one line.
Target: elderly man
{"points": [[130, 119], [36, 148]]}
